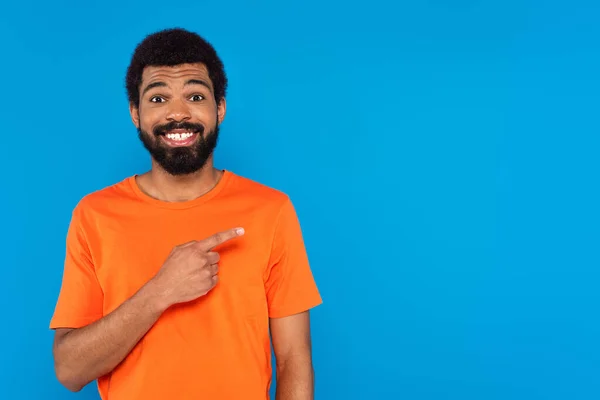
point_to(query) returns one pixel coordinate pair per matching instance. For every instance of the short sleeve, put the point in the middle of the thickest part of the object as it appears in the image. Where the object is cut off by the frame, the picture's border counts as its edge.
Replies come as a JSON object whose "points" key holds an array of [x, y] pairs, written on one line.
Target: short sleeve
{"points": [[290, 285], [80, 298]]}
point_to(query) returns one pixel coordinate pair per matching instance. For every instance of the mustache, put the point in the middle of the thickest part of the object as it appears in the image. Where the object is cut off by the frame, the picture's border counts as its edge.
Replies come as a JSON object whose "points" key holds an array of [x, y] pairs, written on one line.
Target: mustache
{"points": [[188, 126]]}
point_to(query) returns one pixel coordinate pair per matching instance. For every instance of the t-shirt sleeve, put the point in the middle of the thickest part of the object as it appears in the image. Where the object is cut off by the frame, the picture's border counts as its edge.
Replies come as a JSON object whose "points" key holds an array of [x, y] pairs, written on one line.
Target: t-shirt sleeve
{"points": [[290, 285], [80, 298]]}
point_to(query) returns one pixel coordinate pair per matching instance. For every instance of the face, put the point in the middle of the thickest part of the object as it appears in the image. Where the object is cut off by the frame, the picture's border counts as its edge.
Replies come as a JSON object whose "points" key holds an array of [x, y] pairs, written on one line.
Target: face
{"points": [[178, 118]]}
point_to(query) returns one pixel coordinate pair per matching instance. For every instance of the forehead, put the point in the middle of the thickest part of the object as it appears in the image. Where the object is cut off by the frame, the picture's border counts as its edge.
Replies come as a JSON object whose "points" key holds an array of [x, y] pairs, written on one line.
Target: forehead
{"points": [[174, 75]]}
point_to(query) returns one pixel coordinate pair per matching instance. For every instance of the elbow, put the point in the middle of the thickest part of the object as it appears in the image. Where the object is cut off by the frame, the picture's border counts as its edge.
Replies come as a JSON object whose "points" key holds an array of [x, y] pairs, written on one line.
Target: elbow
{"points": [[67, 378], [72, 387], [66, 374], [295, 365]]}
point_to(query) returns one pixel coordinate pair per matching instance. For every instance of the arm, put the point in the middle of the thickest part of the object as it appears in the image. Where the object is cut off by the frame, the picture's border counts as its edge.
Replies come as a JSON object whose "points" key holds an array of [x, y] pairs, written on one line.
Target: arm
{"points": [[292, 348], [82, 355]]}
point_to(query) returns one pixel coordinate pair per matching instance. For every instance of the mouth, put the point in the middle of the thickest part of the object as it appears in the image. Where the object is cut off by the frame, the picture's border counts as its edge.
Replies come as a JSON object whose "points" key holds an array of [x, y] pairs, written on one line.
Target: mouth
{"points": [[179, 137]]}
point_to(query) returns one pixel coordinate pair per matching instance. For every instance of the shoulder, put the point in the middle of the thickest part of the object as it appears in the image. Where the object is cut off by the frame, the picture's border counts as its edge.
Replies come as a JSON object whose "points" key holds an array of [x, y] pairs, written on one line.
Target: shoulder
{"points": [[102, 199], [255, 192]]}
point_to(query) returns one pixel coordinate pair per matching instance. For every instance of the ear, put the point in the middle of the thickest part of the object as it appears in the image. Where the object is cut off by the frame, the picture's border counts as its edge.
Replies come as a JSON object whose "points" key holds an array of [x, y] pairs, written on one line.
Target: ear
{"points": [[135, 114], [221, 108]]}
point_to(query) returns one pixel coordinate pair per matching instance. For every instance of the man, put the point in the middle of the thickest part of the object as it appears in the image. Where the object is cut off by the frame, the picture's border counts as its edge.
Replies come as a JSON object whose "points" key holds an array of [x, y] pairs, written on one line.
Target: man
{"points": [[178, 281]]}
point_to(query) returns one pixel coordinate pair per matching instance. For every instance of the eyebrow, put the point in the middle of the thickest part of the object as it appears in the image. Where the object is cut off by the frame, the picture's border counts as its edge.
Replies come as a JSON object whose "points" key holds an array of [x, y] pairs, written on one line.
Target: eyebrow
{"points": [[188, 82], [198, 82]]}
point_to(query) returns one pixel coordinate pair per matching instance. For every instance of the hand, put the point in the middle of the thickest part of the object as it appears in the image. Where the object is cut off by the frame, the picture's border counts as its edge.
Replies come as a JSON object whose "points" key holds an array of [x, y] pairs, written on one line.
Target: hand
{"points": [[190, 270]]}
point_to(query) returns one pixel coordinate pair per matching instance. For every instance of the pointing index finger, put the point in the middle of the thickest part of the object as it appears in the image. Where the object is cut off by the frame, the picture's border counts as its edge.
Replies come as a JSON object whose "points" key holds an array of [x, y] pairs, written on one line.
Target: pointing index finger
{"points": [[219, 238]]}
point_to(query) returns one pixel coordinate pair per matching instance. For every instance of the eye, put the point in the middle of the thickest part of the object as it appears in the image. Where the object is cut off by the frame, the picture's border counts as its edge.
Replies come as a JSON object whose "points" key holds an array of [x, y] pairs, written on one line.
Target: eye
{"points": [[197, 97], [156, 99]]}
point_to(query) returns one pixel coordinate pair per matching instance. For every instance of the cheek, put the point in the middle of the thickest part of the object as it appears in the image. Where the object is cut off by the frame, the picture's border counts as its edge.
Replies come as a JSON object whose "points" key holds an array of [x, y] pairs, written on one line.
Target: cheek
{"points": [[207, 113], [148, 120]]}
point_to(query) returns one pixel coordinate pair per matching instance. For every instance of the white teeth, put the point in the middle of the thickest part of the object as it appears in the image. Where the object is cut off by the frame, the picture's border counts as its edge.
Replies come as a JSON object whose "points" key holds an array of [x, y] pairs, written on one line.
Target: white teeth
{"points": [[179, 136]]}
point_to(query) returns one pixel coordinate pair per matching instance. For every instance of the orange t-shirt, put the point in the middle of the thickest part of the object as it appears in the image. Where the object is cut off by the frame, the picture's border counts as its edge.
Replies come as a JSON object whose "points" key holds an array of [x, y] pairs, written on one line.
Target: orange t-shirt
{"points": [[215, 347]]}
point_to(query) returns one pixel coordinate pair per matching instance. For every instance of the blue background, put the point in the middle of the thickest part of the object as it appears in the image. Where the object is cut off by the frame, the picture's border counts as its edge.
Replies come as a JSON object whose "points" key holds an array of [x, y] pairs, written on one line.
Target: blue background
{"points": [[442, 156]]}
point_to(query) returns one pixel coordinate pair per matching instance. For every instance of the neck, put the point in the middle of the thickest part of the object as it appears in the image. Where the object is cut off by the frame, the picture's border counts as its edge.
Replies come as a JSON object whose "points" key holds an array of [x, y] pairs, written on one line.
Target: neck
{"points": [[159, 184]]}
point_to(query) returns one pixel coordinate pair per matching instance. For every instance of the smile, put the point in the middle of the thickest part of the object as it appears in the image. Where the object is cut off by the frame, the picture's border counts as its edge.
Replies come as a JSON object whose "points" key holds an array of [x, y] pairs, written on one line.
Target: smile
{"points": [[177, 139]]}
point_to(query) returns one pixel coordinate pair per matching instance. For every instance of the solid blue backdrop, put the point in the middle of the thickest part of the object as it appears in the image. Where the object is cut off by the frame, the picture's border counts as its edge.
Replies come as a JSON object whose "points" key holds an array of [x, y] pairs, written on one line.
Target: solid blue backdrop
{"points": [[442, 156]]}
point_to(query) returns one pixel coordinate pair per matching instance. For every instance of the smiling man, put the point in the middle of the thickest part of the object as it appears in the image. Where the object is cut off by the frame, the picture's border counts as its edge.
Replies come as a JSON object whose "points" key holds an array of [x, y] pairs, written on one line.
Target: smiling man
{"points": [[178, 281]]}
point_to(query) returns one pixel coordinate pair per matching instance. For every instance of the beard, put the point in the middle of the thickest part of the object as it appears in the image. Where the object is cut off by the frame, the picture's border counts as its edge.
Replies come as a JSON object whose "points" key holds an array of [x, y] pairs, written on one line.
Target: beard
{"points": [[180, 160]]}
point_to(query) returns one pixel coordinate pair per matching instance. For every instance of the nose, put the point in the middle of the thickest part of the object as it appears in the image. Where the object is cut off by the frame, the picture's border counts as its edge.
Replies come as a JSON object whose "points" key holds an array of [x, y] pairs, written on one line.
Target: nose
{"points": [[178, 111]]}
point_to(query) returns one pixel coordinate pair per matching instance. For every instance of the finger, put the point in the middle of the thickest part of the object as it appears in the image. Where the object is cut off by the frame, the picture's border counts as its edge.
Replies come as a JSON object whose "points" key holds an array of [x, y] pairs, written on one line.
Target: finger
{"points": [[213, 257], [219, 238], [214, 269]]}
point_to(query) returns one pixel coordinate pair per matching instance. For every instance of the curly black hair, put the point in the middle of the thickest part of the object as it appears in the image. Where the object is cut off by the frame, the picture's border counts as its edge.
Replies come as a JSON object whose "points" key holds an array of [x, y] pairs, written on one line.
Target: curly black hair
{"points": [[171, 47]]}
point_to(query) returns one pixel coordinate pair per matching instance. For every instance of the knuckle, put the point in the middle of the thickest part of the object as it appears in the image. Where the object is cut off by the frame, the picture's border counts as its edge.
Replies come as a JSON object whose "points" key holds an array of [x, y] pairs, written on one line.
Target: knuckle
{"points": [[214, 257], [199, 253]]}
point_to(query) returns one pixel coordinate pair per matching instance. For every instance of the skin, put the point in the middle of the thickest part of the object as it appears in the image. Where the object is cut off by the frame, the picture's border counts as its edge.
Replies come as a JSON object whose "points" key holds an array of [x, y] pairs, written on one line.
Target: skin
{"points": [[177, 101], [84, 354]]}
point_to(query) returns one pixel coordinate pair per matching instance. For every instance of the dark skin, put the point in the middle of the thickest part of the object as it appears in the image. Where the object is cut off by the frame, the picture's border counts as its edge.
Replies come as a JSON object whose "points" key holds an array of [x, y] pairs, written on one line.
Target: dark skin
{"points": [[179, 100], [181, 93]]}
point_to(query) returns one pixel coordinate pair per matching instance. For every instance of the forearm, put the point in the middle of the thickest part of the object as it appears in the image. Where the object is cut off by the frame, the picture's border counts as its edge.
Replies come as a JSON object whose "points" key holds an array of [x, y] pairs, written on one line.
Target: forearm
{"points": [[87, 353], [295, 380]]}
